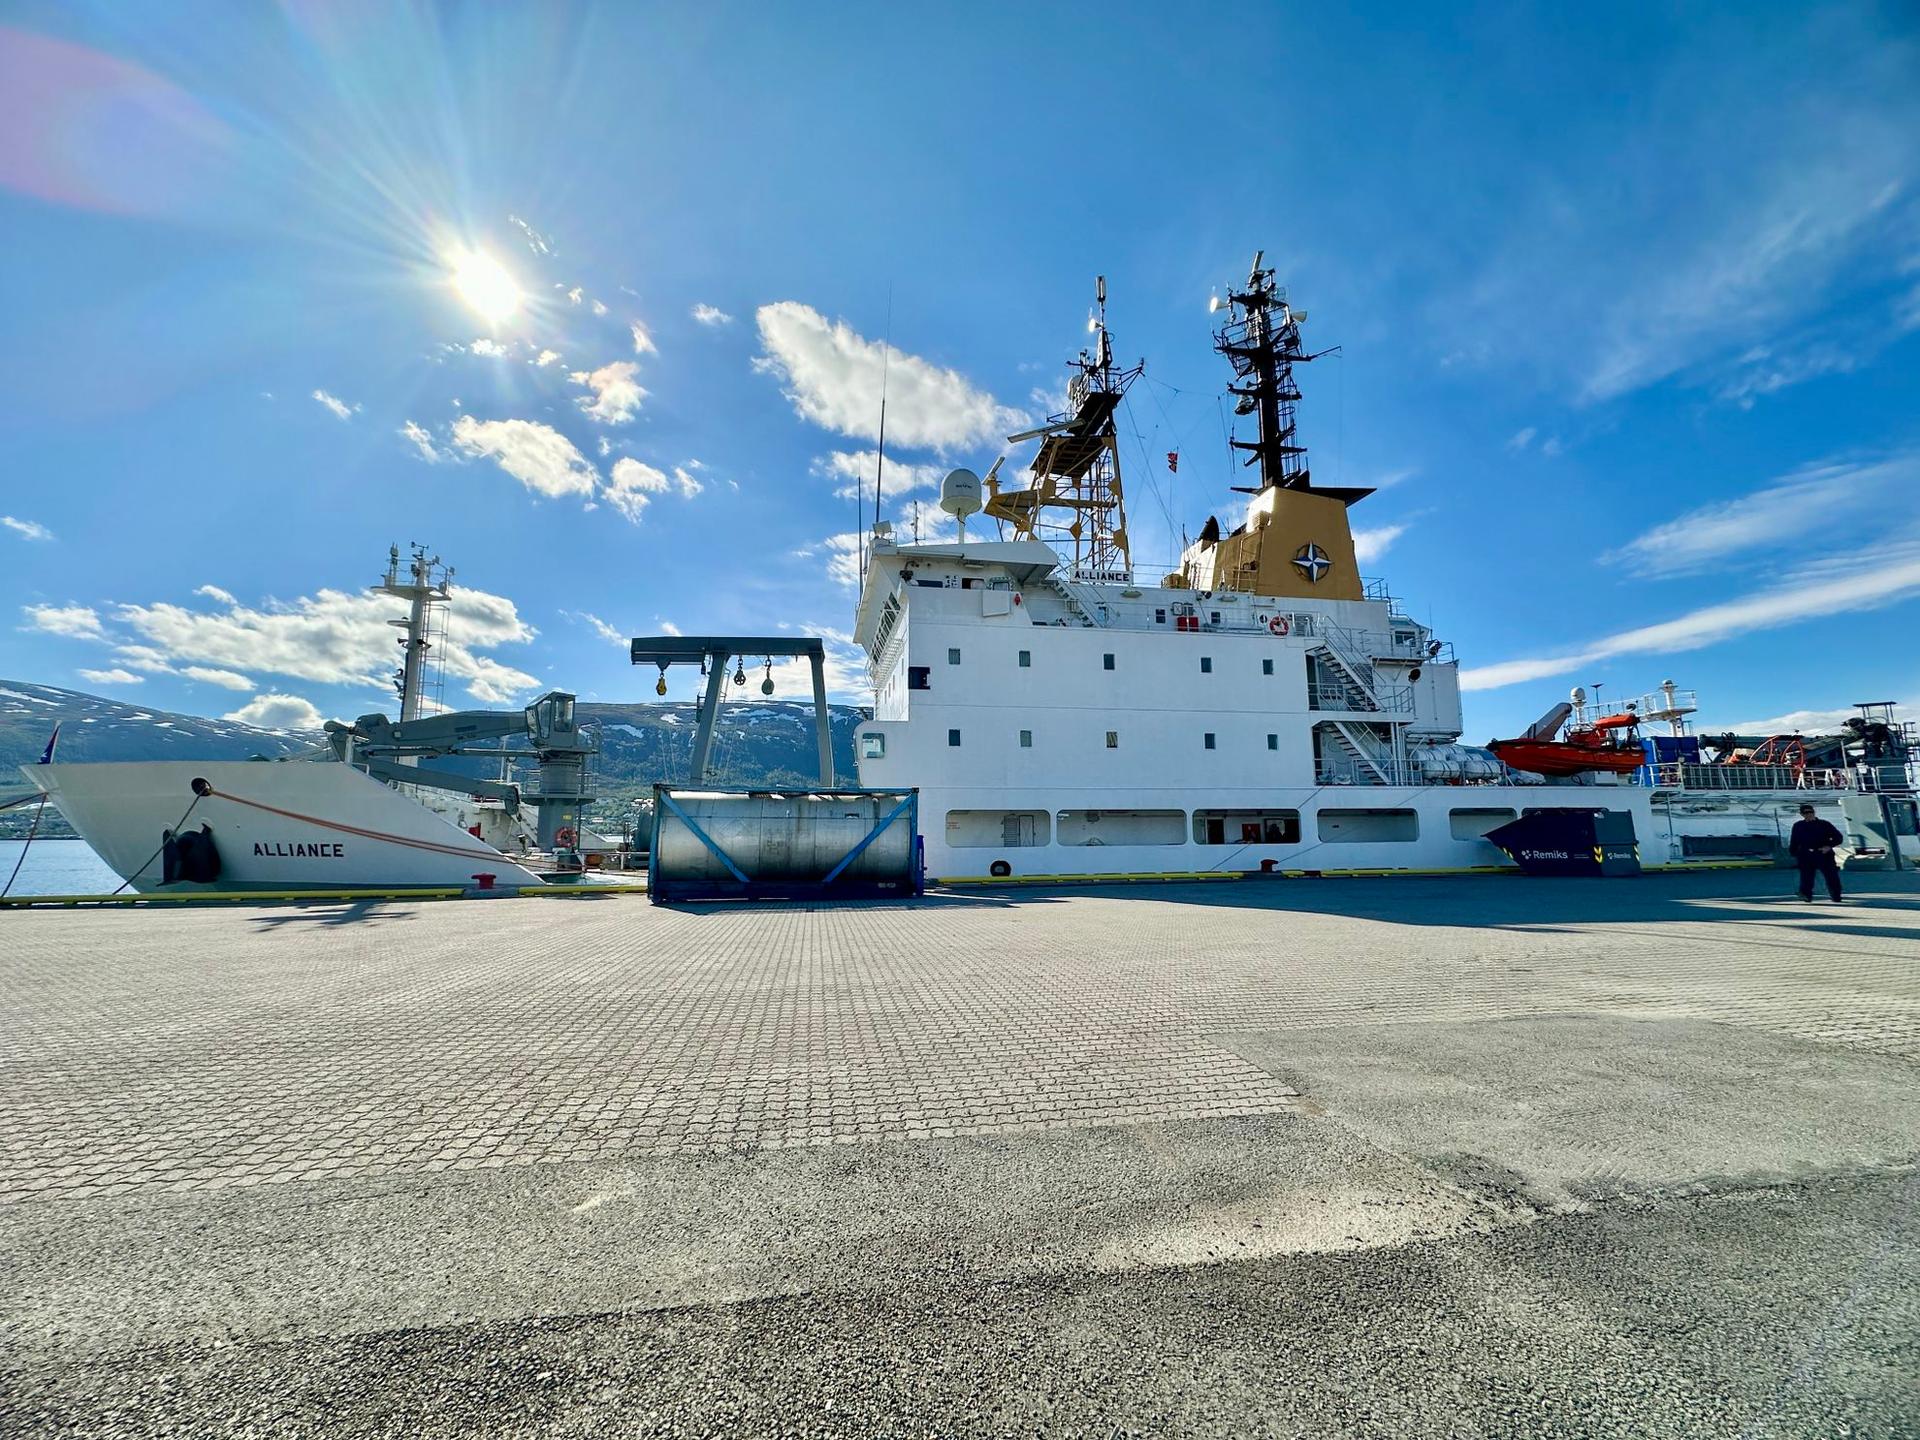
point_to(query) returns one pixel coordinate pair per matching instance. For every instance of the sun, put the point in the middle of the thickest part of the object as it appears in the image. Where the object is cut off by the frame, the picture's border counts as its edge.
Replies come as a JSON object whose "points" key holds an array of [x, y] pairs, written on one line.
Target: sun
{"points": [[484, 283]]}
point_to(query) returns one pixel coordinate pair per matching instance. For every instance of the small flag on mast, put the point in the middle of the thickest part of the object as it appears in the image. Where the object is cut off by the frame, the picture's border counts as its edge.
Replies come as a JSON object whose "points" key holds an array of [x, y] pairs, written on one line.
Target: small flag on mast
{"points": [[1173, 461], [46, 756]]}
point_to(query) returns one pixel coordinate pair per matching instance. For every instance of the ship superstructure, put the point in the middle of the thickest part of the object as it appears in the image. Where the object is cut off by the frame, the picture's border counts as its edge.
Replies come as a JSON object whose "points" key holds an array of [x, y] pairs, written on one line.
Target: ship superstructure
{"points": [[1263, 706]]}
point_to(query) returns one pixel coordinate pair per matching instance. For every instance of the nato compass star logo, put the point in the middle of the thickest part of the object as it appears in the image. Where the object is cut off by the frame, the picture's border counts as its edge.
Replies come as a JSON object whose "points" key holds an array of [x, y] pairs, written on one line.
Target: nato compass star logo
{"points": [[1313, 562]]}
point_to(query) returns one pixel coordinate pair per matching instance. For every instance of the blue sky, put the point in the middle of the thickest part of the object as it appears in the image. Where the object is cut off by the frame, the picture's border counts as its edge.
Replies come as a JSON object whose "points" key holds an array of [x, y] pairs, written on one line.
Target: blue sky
{"points": [[1628, 308]]}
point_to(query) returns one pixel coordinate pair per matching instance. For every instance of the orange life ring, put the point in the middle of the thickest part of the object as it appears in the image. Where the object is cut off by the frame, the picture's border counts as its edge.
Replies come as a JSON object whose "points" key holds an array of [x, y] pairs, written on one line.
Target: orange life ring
{"points": [[564, 837], [1279, 624]]}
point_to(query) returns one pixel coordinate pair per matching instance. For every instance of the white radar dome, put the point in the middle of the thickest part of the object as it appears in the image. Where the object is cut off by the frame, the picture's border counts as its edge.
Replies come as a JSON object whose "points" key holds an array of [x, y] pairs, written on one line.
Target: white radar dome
{"points": [[960, 494]]}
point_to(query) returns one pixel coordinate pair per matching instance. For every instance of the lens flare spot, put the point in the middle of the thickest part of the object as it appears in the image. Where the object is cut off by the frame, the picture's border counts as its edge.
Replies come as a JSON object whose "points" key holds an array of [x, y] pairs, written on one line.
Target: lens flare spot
{"points": [[485, 284]]}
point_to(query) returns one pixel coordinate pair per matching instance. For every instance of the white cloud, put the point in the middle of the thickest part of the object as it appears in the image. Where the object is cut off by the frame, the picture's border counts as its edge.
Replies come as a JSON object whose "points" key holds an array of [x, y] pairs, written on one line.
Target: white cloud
{"points": [[689, 486], [1794, 601], [574, 295], [77, 622], [330, 637], [599, 627], [538, 456], [214, 592], [422, 440], [1846, 498], [111, 677], [536, 242], [492, 349], [1370, 545], [1522, 438], [616, 394], [225, 679], [334, 403], [546, 358], [631, 484], [598, 308], [832, 374], [29, 529], [667, 627], [711, 315], [843, 558], [642, 339], [1803, 721], [854, 469], [277, 712]]}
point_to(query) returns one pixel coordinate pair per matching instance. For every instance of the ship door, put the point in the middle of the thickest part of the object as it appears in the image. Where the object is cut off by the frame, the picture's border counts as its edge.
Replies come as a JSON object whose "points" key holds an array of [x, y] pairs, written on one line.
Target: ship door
{"points": [[1016, 829]]}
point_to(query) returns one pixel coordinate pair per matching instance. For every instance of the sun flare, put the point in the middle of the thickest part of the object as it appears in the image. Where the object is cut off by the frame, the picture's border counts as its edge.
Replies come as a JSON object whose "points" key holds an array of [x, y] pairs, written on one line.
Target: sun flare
{"points": [[485, 284]]}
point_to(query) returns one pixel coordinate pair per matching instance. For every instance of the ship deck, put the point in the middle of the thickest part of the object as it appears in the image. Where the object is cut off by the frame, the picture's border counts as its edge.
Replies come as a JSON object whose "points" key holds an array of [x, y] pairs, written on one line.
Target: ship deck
{"points": [[1396, 1157]]}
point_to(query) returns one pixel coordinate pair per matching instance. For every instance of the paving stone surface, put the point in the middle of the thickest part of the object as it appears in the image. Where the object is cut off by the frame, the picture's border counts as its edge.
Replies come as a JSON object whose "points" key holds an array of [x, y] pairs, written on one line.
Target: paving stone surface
{"points": [[145, 1051]]}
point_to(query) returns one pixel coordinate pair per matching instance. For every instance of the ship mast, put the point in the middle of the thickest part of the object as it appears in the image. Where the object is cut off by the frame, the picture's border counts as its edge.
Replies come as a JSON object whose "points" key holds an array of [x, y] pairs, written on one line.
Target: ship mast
{"points": [[1261, 338], [429, 584], [1074, 499]]}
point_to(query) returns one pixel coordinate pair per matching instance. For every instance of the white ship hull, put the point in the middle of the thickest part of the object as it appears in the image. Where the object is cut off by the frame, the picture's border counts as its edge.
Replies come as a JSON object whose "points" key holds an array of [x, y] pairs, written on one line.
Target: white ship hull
{"points": [[289, 825], [1328, 829]]}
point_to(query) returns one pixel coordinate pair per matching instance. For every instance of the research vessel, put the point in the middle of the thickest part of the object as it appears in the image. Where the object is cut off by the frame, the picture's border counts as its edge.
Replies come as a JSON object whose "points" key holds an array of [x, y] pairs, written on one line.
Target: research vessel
{"points": [[1263, 708], [366, 810]]}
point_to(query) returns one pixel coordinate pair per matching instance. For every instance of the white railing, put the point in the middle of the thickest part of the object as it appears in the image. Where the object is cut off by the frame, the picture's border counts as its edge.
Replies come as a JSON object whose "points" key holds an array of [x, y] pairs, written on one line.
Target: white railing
{"points": [[1395, 700], [1866, 779]]}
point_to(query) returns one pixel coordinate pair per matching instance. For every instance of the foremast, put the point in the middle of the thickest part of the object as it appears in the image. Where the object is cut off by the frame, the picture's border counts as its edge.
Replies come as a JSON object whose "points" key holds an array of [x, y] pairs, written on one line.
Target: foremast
{"points": [[1074, 499], [427, 589]]}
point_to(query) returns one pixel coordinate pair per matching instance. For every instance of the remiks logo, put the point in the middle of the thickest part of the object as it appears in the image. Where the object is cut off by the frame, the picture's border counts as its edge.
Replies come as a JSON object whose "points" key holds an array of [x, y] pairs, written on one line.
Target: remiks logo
{"points": [[1313, 562]]}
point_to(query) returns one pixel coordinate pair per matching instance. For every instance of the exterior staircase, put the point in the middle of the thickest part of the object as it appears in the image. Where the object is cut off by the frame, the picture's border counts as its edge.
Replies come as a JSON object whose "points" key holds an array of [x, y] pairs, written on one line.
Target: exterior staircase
{"points": [[1350, 746]]}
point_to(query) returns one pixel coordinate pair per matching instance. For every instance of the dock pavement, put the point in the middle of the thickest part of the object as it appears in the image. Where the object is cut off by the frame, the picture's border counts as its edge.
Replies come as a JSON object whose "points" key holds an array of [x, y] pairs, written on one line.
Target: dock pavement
{"points": [[1400, 1157]]}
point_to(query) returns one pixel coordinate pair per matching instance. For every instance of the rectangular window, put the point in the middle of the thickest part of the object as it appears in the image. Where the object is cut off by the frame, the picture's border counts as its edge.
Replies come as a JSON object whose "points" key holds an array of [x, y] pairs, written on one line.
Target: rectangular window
{"points": [[1026, 739], [1273, 742], [1159, 617], [1026, 659], [1113, 739], [873, 747], [1206, 665], [1266, 666], [919, 677], [1209, 739], [953, 655], [1246, 827], [1471, 824], [1215, 617], [1122, 827], [1361, 827], [1106, 661], [998, 829], [953, 737]]}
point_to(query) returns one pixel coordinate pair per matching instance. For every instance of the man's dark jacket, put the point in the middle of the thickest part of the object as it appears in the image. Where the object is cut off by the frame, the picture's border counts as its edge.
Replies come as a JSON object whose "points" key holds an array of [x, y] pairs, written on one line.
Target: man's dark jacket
{"points": [[1811, 835]]}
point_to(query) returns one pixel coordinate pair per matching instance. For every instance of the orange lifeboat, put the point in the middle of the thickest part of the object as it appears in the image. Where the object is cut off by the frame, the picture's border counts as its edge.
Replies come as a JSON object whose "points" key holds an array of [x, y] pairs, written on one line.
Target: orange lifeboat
{"points": [[1608, 744]]}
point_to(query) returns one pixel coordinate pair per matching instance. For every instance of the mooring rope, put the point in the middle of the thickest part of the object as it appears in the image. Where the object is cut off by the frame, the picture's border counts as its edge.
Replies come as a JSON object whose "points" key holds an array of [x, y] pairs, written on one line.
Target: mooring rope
{"points": [[32, 831], [345, 829]]}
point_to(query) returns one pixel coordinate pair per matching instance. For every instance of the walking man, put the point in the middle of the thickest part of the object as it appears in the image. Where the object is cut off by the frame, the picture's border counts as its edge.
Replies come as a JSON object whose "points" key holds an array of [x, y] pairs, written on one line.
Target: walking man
{"points": [[1812, 845]]}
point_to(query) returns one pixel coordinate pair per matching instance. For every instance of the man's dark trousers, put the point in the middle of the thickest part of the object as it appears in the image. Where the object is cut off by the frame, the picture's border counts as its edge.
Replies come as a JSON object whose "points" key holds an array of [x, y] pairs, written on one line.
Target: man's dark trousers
{"points": [[1819, 862]]}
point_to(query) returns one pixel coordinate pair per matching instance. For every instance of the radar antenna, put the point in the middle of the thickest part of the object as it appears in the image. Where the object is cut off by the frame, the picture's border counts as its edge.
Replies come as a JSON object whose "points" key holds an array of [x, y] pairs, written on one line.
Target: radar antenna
{"points": [[1261, 339]]}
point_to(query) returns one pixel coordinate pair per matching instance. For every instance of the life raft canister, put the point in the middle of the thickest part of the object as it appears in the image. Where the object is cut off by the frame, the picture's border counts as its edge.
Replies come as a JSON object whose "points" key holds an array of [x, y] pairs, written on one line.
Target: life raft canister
{"points": [[1280, 624]]}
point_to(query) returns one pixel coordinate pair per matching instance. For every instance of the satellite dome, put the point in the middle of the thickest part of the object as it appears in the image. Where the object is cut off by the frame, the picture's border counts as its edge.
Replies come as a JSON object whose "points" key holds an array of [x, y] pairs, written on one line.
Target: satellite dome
{"points": [[960, 494]]}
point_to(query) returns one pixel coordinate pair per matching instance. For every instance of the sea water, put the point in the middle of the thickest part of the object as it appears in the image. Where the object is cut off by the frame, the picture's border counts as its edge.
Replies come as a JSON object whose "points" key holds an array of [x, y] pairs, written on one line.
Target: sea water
{"points": [[56, 867]]}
